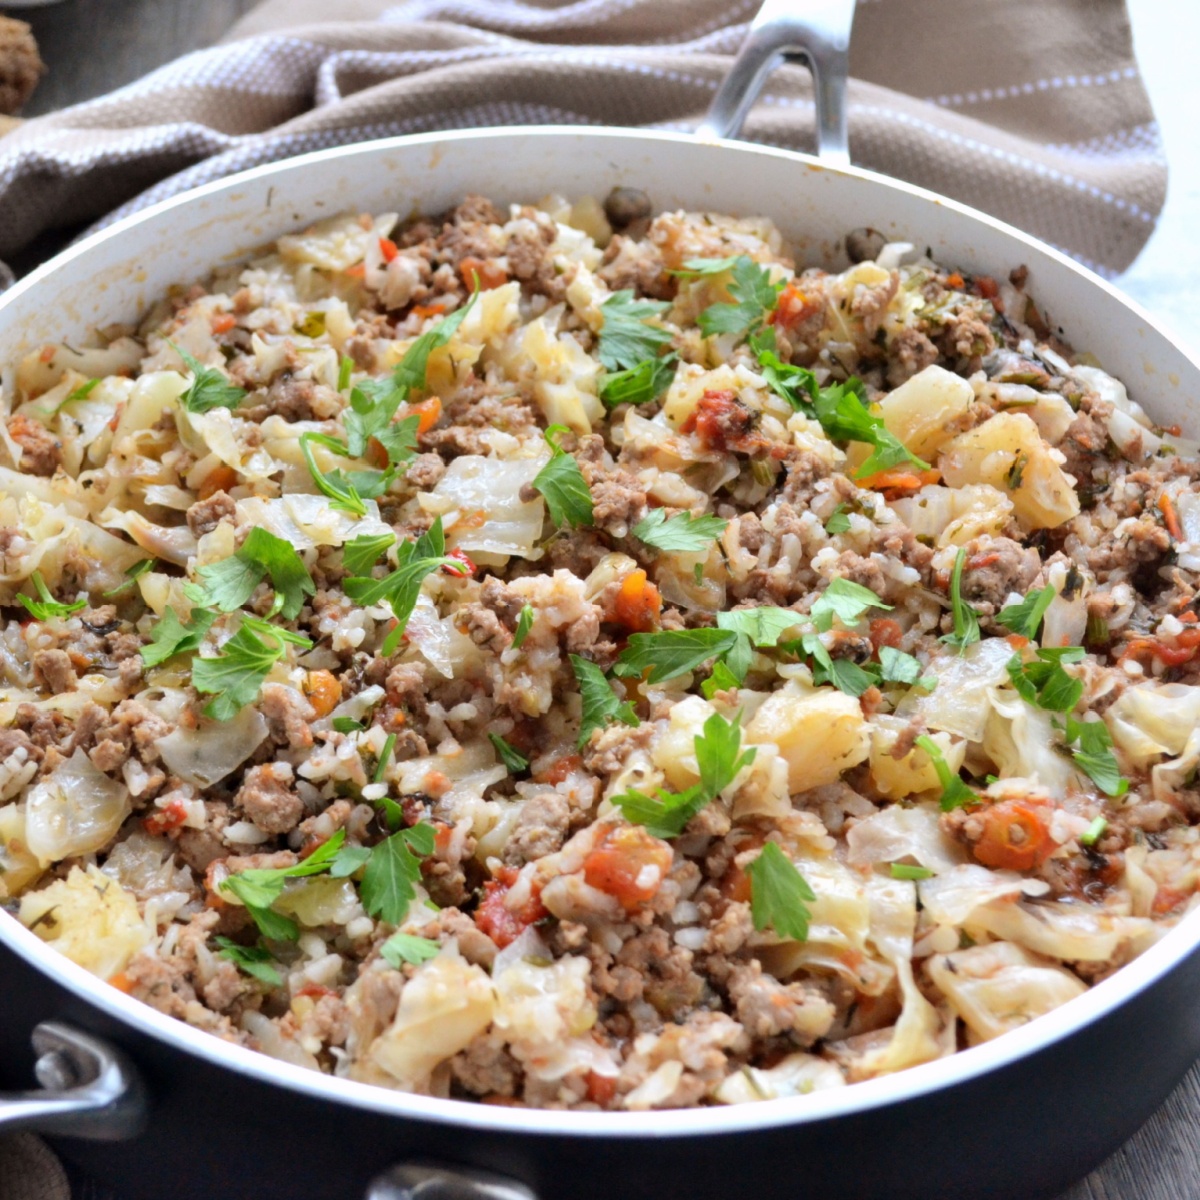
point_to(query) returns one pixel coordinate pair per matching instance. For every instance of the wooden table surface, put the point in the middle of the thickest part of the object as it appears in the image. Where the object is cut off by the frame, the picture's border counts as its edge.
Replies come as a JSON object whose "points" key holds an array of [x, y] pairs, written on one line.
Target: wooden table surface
{"points": [[92, 46]]}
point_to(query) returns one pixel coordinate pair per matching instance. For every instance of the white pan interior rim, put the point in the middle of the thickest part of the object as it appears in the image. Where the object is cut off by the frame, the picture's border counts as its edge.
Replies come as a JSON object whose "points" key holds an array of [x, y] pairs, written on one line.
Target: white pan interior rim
{"points": [[114, 275]]}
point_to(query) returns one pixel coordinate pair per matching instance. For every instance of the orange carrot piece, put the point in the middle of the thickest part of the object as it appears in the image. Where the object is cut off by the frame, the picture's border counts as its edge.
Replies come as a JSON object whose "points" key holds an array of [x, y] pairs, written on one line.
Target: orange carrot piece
{"points": [[1016, 836], [1170, 518]]}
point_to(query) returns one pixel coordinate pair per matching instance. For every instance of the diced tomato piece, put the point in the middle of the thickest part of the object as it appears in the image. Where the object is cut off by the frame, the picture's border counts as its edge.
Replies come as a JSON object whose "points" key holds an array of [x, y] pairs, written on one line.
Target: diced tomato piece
{"points": [[638, 603], [500, 922], [601, 1089], [490, 273], [629, 864], [885, 632], [315, 991], [460, 556], [793, 308], [223, 323], [166, 819], [721, 420], [559, 769], [388, 249]]}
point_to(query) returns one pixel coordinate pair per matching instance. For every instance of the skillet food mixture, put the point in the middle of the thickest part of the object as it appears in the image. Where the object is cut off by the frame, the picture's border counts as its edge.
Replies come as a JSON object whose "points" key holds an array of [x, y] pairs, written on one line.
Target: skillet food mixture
{"points": [[566, 658]]}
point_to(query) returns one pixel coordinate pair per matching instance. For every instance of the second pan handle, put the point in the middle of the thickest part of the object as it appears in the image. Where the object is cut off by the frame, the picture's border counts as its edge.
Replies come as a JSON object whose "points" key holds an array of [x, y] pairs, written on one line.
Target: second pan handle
{"points": [[816, 30]]}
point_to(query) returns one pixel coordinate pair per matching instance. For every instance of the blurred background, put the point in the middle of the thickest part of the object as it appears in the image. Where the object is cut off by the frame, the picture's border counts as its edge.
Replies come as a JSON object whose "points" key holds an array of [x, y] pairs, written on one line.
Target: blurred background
{"points": [[93, 46]]}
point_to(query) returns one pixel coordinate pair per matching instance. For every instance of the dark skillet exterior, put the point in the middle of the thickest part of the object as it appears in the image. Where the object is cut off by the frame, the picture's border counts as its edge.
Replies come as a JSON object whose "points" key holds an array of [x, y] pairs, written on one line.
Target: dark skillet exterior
{"points": [[1025, 1131]]}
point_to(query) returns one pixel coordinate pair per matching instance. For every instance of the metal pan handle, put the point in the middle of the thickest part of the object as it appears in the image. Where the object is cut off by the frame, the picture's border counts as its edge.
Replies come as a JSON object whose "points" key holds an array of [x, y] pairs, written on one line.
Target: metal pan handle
{"points": [[89, 1090], [433, 1181], [819, 32]]}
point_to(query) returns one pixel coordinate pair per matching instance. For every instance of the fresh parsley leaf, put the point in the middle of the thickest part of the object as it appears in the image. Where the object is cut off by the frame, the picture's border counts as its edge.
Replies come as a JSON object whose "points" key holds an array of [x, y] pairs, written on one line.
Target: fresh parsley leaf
{"points": [[673, 652], [955, 793], [721, 680], [514, 763], [235, 676], [626, 340], [46, 606], [1026, 618], [909, 871], [845, 600], [134, 573], [1091, 748], [966, 619], [719, 757], [752, 290], [373, 404], [347, 725], [209, 389], [524, 625], [839, 521], [228, 584], [171, 636], [707, 266], [797, 385], [360, 554], [255, 961], [845, 675], [259, 887], [600, 703], [779, 894], [641, 384], [682, 532], [563, 486], [403, 948], [763, 625], [337, 485], [845, 417], [349, 861], [898, 667], [410, 373], [416, 560], [1044, 683], [387, 887]]}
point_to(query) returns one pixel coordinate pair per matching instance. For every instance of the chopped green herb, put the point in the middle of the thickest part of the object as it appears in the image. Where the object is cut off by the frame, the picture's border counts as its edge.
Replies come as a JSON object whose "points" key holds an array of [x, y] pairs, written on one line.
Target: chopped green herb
{"points": [[412, 368], [1090, 744], [845, 417], [600, 702], [641, 384], [779, 894], [797, 385], [561, 482], [82, 392], [134, 573], [347, 725], [626, 341], [313, 325], [966, 619], [1094, 832], [955, 793], [719, 757], [908, 871], [403, 948], [255, 961], [209, 389], [682, 532], [1044, 683], [898, 667], [345, 370], [1016, 473], [1025, 618], [259, 887], [388, 883], [171, 636], [360, 554], [347, 490], [229, 584], [513, 762], [721, 680], [524, 625], [385, 757], [235, 675], [751, 288], [673, 652], [839, 521], [845, 600], [46, 607]]}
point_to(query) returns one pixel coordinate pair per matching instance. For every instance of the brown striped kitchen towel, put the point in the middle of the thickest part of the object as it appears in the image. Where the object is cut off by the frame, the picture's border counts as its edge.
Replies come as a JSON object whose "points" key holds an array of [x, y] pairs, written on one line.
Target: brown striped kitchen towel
{"points": [[1029, 109]]}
